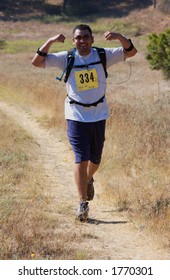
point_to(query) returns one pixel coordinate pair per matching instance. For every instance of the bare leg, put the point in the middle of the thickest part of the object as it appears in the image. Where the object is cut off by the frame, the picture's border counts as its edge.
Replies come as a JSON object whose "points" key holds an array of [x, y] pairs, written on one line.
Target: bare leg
{"points": [[80, 176], [91, 169], [82, 173]]}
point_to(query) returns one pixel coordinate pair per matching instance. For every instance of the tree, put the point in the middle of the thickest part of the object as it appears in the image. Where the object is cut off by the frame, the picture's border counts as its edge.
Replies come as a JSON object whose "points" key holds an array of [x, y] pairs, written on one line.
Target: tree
{"points": [[158, 54]]}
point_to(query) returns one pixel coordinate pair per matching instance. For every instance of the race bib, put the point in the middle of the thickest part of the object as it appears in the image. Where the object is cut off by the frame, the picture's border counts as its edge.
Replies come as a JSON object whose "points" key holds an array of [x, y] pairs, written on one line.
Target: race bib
{"points": [[86, 79]]}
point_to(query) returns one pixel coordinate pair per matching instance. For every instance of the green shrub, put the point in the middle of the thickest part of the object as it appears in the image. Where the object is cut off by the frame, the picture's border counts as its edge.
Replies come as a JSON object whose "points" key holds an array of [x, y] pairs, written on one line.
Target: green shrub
{"points": [[2, 44], [158, 54]]}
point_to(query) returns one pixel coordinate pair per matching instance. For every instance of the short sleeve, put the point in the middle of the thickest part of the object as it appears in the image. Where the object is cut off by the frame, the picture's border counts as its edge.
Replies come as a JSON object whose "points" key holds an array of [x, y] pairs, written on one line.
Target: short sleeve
{"points": [[56, 60], [114, 55]]}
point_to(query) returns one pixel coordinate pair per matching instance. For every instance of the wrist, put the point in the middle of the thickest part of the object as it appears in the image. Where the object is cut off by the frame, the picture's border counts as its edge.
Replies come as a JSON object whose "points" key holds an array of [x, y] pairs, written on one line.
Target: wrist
{"points": [[40, 53], [130, 47]]}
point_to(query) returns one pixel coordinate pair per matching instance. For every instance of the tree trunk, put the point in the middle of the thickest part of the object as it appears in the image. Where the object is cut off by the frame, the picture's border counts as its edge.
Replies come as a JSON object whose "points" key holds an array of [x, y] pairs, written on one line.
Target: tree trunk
{"points": [[154, 3]]}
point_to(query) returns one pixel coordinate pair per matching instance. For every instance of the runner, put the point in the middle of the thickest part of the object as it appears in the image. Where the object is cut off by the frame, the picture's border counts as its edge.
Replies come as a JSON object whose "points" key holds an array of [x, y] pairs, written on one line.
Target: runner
{"points": [[86, 108]]}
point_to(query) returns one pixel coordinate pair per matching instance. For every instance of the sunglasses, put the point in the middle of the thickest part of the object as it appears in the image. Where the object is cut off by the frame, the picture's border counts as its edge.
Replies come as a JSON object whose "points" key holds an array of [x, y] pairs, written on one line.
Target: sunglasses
{"points": [[85, 37]]}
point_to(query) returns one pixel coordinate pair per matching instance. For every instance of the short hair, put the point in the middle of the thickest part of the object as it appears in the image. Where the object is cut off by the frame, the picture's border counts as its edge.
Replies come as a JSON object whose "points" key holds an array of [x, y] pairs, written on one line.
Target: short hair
{"points": [[82, 27]]}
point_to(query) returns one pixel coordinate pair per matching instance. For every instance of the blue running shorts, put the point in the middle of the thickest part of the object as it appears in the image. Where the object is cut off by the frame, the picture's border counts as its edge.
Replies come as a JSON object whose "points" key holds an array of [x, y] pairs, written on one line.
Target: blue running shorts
{"points": [[87, 140]]}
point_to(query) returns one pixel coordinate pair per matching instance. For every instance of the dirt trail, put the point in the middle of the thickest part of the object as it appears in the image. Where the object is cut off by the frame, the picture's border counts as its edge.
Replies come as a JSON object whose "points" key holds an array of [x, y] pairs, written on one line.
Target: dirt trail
{"points": [[109, 234]]}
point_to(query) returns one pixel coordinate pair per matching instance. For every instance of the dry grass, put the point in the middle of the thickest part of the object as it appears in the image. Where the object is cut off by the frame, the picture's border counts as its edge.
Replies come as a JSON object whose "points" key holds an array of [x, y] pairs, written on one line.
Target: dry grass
{"points": [[136, 155], [29, 228], [136, 158], [37, 95], [20, 197], [136, 161]]}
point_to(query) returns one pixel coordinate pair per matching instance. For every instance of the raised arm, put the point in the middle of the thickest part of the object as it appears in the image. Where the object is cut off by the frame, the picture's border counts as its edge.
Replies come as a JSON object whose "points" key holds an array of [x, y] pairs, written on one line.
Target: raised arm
{"points": [[127, 44], [39, 58]]}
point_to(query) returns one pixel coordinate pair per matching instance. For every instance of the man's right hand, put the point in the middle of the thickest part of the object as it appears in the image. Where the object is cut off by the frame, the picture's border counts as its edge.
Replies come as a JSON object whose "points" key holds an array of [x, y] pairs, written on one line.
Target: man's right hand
{"points": [[58, 38]]}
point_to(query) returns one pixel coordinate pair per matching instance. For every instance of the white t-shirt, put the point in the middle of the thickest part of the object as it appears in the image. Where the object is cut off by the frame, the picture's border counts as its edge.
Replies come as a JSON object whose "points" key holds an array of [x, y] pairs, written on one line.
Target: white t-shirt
{"points": [[86, 85]]}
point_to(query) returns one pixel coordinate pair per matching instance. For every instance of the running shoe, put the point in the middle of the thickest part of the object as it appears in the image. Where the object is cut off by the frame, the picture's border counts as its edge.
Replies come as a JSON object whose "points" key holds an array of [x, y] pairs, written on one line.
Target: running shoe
{"points": [[82, 212]]}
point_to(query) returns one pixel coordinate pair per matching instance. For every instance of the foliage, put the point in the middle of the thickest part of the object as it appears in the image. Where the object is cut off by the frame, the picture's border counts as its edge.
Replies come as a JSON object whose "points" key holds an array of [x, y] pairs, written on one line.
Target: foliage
{"points": [[159, 52], [2, 43]]}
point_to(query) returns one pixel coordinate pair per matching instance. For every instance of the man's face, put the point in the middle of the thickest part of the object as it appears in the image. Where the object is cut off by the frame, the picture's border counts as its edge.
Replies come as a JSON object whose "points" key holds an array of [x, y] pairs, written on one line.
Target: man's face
{"points": [[83, 41]]}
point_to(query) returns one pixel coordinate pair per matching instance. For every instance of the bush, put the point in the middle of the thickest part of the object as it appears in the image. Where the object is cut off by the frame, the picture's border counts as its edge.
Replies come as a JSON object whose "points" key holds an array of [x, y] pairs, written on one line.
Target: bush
{"points": [[2, 44], [159, 52]]}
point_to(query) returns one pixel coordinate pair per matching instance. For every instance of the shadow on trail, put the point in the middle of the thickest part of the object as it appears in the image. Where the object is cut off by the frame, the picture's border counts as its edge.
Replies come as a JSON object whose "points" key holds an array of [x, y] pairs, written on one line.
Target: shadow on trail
{"points": [[97, 222]]}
